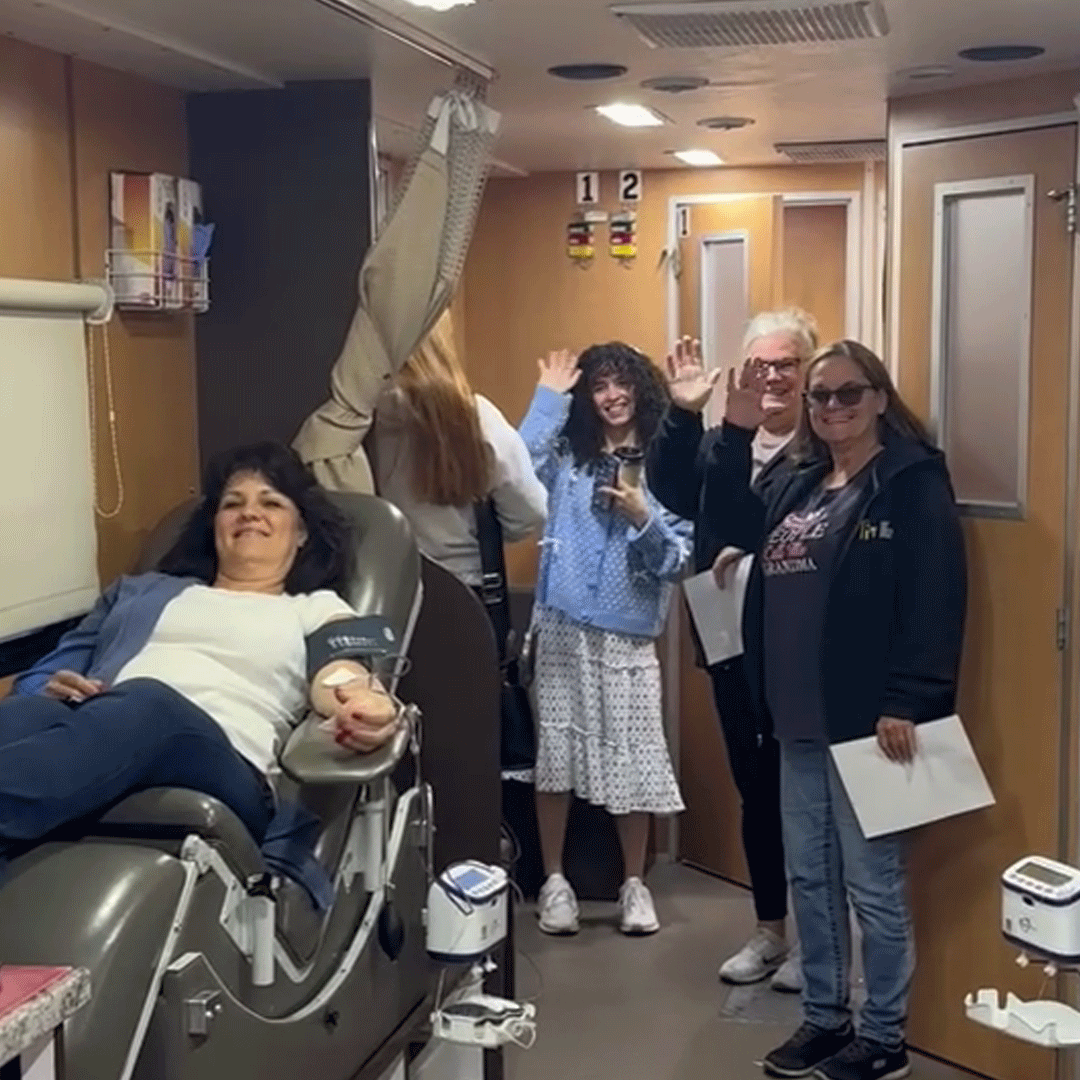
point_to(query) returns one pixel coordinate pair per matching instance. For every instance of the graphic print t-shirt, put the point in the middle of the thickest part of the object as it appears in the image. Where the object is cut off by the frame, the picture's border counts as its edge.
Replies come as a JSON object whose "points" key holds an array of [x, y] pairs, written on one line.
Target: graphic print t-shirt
{"points": [[797, 564]]}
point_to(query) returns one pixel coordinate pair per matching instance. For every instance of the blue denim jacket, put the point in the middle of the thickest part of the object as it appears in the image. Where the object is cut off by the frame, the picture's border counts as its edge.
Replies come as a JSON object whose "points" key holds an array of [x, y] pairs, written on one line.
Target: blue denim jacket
{"points": [[117, 628], [595, 567]]}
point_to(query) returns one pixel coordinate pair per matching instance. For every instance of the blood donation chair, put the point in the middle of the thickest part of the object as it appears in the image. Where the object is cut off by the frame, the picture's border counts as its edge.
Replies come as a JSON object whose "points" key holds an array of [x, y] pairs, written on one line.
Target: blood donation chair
{"points": [[204, 965]]}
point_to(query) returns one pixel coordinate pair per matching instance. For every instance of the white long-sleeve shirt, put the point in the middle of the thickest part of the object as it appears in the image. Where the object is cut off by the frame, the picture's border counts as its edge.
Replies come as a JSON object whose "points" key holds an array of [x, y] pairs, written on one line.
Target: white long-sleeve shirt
{"points": [[764, 448], [447, 534]]}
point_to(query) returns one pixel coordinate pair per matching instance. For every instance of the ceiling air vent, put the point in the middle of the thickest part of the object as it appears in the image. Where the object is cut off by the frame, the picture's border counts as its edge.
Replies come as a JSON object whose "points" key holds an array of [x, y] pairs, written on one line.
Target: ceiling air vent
{"points": [[712, 24], [725, 123], [676, 84], [809, 153]]}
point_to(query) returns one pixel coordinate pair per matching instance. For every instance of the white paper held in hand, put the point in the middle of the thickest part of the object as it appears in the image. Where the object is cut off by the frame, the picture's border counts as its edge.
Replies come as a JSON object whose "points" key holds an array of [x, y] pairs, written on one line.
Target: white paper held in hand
{"points": [[944, 779], [717, 613]]}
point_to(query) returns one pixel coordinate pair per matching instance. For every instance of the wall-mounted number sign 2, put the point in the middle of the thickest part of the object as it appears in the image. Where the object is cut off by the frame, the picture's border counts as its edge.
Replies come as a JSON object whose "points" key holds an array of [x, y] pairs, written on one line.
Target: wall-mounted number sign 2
{"points": [[630, 186], [588, 188]]}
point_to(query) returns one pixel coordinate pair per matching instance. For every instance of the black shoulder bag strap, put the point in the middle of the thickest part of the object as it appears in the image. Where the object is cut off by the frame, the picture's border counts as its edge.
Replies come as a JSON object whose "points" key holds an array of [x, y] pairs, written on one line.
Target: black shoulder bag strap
{"points": [[517, 738], [493, 590]]}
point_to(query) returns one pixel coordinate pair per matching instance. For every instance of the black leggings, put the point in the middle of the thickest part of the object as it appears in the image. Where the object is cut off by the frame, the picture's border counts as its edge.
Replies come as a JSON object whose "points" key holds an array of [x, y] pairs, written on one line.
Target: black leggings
{"points": [[755, 768]]}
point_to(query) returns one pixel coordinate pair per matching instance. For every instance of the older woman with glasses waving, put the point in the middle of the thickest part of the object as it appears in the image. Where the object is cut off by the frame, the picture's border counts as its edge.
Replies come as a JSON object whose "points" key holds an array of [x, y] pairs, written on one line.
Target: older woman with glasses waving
{"points": [[779, 343], [853, 627]]}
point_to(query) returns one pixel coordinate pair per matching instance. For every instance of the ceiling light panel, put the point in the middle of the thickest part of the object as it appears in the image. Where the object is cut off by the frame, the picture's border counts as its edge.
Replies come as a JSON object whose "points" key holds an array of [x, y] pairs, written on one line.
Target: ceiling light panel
{"points": [[700, 158], [439, 5], [628, 115]]}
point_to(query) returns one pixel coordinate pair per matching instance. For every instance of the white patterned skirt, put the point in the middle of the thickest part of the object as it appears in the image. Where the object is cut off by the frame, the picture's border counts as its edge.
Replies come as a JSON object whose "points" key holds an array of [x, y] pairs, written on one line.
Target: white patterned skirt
{"points": [[600, 719]]}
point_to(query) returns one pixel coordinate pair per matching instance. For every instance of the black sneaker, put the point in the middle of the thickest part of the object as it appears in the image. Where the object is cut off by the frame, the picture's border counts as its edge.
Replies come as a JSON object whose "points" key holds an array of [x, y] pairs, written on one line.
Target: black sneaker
{"points": [[866, 1060], [808, 1048]]}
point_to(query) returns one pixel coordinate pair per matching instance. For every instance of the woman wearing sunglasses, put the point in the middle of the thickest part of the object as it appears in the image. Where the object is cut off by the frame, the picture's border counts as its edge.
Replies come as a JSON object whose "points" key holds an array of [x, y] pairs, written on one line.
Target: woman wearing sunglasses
{"points": [[853, 627]]}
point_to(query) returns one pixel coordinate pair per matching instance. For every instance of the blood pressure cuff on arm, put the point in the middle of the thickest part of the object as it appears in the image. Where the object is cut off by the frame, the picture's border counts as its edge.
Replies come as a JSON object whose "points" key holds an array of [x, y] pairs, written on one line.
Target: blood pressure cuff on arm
{"points": [[357, 638]]}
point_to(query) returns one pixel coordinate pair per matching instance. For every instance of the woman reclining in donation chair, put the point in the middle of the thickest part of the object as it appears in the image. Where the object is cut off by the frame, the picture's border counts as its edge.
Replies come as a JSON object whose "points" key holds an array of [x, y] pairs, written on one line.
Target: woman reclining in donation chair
{"points": [[194, 676]]}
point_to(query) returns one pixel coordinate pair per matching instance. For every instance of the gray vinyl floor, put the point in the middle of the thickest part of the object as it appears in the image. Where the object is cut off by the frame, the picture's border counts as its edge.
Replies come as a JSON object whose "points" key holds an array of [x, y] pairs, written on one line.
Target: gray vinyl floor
{"points": [[612, 1008]]}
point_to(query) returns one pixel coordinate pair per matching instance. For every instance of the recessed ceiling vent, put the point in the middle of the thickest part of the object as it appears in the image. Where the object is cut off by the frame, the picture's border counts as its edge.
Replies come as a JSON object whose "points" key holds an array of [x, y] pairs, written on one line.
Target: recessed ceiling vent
{"points": [[725, 123], [812, 153], [725, 24], [676, 84], [587, 72]]}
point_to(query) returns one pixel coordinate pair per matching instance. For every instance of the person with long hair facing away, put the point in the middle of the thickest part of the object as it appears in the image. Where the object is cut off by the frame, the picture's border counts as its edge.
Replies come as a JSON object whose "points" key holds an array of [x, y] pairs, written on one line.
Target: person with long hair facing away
{"points": [[853, 627], [610, 557], [439, 448]]}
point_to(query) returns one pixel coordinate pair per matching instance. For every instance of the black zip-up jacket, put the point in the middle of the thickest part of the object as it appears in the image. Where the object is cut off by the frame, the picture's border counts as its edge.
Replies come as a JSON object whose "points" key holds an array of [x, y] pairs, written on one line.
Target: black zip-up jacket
{"points": [[680, 457], [894, 618]]}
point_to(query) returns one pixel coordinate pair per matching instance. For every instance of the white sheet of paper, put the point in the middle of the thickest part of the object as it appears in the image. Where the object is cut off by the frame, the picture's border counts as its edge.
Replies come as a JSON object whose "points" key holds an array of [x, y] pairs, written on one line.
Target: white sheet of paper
{"points": [[717, 612], [945, 779]]}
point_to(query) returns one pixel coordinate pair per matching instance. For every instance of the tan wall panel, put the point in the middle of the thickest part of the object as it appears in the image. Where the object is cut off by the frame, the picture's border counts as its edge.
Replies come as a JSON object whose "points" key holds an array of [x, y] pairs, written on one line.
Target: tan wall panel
{"points": [[63, 125], [35, 181], [123, 123], [815, 265]]}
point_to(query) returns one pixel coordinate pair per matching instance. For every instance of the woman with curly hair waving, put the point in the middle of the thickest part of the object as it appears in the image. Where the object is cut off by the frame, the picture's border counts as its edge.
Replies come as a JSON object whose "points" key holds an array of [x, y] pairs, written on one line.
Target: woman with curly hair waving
{"points": [[610, 557]]}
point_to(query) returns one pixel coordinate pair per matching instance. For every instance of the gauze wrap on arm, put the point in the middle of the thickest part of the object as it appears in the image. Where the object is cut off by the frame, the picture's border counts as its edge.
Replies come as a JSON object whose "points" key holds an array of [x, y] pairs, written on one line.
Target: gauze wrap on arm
{"points": [[357, 638]]}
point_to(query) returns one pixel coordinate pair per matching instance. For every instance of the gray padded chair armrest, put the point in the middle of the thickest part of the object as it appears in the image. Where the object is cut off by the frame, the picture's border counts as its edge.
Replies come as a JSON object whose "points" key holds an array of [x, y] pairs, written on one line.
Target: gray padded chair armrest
{"points": [[174, 813], [312, 757]]}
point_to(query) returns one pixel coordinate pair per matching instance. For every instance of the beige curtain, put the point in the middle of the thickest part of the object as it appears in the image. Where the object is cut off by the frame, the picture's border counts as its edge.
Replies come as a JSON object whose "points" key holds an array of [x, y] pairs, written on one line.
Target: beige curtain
{"points": [[406, 282]]}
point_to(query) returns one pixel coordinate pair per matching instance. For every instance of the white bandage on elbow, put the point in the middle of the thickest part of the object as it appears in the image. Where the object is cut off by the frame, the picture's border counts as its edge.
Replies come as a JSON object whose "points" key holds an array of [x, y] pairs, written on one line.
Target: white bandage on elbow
{"points": [[340, 676]]}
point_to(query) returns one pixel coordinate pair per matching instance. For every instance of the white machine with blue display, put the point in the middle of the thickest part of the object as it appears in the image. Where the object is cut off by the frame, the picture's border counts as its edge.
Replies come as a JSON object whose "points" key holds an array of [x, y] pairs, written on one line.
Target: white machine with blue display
{"points": [[1040, 913], [466, 920]]}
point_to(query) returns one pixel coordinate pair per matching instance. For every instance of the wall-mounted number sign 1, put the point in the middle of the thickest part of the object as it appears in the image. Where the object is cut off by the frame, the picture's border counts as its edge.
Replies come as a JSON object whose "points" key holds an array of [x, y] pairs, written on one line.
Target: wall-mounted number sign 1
{"points": [[630, 186], [588, 188]]}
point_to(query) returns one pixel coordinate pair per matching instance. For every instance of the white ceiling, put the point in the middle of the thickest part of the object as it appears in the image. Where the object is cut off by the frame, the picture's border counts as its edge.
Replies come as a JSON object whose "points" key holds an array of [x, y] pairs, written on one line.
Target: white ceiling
{"points": [[792, 93]]}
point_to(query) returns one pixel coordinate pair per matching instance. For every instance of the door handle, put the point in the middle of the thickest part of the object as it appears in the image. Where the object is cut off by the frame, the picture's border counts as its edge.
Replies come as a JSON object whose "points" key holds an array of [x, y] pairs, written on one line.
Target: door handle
{"points": [[1067, 195]]}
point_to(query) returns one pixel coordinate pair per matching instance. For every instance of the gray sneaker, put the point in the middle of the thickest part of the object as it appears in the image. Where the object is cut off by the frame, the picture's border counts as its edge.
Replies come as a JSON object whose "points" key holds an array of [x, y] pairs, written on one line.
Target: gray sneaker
{"points": [[756, 960], [788, 978]]}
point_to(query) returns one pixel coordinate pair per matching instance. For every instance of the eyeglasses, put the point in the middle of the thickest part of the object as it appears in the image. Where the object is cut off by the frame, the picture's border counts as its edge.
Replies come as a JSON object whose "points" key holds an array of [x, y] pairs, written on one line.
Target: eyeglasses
{"points": [[845, 396], [786, 366]]}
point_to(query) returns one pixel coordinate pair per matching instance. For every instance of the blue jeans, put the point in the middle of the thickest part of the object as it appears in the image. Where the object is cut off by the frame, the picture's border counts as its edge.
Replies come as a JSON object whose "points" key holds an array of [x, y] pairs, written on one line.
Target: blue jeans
{"points": [[60, 762], [830, 863]]}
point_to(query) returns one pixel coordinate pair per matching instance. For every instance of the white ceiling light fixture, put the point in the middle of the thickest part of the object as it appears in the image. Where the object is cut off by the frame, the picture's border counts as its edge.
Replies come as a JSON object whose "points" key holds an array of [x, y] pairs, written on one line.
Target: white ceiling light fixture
{"points": [[629, 115], [439, 5], [700, 158]]}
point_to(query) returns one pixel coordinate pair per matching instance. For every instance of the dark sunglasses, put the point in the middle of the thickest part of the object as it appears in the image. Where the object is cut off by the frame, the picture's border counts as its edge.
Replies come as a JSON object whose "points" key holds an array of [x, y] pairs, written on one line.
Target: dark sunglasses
{"points": [[845, 396]]}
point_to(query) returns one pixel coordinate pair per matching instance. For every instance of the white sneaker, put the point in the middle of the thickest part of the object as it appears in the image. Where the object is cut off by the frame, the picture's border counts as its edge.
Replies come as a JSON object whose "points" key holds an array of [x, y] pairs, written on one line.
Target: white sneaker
{"points": [[756, 960], [557, 907], [788, 978], [638, 912]]}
